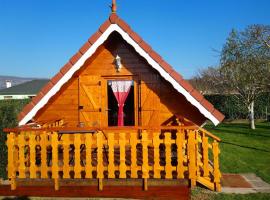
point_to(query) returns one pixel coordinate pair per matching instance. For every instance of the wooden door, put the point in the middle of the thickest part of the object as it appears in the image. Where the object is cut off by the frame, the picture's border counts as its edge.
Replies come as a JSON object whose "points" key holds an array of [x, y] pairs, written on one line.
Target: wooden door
{"points": [[91, 100], [150, 101]]}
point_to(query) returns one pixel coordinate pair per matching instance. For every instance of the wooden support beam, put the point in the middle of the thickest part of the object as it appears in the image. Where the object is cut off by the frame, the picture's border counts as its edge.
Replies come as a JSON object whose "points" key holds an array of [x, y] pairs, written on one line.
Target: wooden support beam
{"points": [[56, 184], [100, 184], [145, 184]]}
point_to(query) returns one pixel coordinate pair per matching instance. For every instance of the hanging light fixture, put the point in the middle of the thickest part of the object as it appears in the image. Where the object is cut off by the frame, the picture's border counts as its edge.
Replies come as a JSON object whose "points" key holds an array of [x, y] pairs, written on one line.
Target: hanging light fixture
{"points": [[118, 63]]}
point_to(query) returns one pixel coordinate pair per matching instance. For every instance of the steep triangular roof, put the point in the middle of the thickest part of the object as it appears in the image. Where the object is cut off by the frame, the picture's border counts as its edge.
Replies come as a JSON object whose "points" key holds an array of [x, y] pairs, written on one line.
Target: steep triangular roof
{"points": [[115, 23]]}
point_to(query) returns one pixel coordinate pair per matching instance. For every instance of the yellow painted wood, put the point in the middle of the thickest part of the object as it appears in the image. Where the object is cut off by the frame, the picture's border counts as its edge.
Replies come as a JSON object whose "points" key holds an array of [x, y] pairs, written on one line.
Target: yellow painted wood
{"points": [[100, 184], [32, 145], [168, 166], [156, 144], [205, 156], [56, 184], [180, 137], [122, 145], [111, 167], [13, 184], [11, 161], [100, 167], [55, 167], [66, 145], [88, 165], [21, 141], [217, 174], [43, 144], [194, 151], [145, 184], [191, 158], [77, 145], [145, 166], [133, 143]]}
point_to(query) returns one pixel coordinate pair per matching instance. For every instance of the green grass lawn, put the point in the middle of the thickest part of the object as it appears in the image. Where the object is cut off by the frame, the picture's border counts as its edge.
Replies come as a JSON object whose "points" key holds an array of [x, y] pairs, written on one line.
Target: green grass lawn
{"points": [[244, 150]]}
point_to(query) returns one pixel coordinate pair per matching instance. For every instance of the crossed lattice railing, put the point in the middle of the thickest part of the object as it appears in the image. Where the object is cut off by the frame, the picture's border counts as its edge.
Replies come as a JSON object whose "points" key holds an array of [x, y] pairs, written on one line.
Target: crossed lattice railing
{"points": [[138, 152]]}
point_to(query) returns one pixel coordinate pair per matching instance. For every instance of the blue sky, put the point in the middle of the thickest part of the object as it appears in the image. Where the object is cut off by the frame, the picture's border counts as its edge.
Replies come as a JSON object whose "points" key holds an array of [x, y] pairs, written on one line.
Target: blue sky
{"points": [[37, 37]]}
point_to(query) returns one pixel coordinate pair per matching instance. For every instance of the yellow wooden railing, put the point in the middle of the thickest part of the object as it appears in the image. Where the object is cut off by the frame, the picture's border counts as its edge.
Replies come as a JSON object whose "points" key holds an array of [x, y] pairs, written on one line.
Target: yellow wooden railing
{"points": [[175, 153]]}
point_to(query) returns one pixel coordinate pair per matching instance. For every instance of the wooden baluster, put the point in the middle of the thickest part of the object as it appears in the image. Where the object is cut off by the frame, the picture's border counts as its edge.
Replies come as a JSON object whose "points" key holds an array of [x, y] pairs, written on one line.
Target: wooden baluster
{"points": [[111, 167], [55, 167], [43, 144], [133, 143], [77, 145], [180, 157], [205, 155], [100, 167], [156, 144], [192, 157], [21, 141], [217, 174], [145, 166], [66, 145], [11, 160], [122, 145], [88, 166], [32, 145], [168, 166]]}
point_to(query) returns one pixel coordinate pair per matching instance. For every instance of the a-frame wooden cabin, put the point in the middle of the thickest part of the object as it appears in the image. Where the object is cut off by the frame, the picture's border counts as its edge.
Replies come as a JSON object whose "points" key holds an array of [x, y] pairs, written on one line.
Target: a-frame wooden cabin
{"points": [[116, 110]]}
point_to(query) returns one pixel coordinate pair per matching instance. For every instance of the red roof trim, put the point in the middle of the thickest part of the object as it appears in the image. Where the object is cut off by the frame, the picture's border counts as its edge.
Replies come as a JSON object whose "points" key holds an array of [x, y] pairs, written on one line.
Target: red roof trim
{"points": [[114, 19]]}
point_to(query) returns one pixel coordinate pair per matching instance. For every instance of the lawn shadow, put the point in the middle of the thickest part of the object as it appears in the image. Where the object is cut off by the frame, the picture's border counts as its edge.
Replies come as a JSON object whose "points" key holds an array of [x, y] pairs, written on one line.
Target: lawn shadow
{"points": [[243, 146]]}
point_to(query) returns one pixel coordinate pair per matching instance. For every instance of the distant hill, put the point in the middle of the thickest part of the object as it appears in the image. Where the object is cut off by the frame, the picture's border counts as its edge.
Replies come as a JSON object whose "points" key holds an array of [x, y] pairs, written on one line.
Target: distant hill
{"points": [[15, 80]]}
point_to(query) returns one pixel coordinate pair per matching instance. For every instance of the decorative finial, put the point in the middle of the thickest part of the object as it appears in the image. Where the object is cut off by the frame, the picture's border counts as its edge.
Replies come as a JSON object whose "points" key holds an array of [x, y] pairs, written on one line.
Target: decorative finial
{"points": [[114, 7]]}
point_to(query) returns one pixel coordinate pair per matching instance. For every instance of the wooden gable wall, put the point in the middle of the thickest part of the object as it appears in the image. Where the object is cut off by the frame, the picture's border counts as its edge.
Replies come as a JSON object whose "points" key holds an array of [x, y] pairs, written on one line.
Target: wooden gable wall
{"points": [[84, 97]]}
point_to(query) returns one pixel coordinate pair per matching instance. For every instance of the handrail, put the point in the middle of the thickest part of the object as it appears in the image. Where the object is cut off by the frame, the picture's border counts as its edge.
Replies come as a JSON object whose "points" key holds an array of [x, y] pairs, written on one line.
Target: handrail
{"points": [[18, 129], [210, 134]]}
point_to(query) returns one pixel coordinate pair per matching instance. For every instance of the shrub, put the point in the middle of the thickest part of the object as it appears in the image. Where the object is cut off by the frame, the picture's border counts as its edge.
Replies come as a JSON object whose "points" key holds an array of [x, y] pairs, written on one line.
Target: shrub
{"points": [[8, 119]]}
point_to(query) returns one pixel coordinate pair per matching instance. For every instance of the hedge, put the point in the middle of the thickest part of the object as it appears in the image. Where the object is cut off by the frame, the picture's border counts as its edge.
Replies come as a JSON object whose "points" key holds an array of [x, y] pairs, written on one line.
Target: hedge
{"points": [[233, 108], [8, 118]]}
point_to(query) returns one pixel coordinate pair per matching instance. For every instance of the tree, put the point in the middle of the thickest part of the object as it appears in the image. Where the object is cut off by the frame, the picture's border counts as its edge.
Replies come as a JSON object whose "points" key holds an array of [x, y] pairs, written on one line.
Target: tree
{"points": [[245, 65], [205, 80]]}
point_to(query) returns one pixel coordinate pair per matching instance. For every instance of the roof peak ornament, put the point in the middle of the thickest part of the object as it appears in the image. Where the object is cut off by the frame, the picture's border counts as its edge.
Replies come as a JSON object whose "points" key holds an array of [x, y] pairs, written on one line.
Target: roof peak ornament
{"points": [[114, 6]]}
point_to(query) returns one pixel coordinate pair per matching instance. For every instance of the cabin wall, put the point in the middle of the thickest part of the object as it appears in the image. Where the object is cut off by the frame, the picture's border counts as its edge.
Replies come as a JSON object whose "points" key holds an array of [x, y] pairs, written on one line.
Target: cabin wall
{"points": [[84, 97]]}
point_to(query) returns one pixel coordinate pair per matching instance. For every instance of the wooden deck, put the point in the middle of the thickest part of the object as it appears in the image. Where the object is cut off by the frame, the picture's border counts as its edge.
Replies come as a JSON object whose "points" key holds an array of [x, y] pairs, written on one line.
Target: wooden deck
{"points": [[132, 189]]}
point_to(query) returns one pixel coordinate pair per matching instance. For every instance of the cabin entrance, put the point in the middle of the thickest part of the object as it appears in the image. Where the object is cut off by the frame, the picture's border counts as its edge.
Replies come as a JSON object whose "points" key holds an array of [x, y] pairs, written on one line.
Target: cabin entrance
{"points": [[121, 104]]}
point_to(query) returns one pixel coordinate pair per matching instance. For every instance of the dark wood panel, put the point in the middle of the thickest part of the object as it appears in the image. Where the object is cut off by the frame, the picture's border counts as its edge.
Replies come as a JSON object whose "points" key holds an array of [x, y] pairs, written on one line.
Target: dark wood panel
{"points": [[155, 192]]}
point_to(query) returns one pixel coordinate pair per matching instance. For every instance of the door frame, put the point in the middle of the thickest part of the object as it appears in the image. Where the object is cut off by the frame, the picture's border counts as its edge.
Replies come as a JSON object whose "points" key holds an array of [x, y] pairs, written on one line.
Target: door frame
{"points": [[135, 79]]}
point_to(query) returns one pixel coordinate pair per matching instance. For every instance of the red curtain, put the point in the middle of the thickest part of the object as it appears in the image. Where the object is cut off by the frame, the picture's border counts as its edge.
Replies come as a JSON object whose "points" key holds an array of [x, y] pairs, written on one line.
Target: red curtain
{"points": [[121, 90]]}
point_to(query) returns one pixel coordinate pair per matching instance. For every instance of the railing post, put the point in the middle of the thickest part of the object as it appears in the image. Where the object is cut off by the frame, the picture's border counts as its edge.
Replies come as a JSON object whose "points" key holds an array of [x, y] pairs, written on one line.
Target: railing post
{"points": [[180, 157], [66, 145], [100, 167], [21, 144], [156, 143], [122, 146], [55, 167], [168, 150], [192, 158], [32, 145], [43, 144], [133, 143], [11, 163], [88, 166], [145, 167], [77, 166], [111, 155], [217, 175], [205, 156]]}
